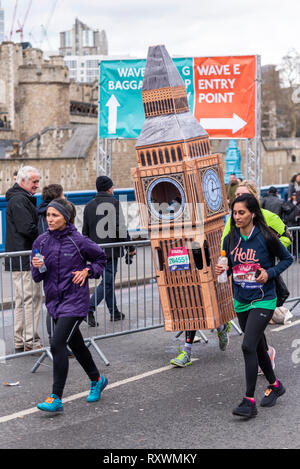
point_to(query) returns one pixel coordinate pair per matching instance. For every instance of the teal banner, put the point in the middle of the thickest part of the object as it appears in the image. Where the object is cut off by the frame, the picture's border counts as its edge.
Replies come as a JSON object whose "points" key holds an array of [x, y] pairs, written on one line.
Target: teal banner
{"points": [[121, 106]]}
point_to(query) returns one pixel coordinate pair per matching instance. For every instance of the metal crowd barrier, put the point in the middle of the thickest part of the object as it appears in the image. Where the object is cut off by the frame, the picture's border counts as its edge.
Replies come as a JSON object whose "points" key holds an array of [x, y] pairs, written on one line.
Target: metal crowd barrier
{"points": [[292, 275], [136, 296]]}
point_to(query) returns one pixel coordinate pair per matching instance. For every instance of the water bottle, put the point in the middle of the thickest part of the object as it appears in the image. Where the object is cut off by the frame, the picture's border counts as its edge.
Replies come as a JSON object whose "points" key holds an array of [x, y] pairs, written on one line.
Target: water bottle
{"points": [[223, 261], [43, 268]]}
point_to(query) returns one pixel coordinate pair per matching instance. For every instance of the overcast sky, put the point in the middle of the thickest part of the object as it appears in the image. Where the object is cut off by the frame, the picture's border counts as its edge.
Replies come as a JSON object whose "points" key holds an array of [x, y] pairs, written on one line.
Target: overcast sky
{"points": [[190, 28]]}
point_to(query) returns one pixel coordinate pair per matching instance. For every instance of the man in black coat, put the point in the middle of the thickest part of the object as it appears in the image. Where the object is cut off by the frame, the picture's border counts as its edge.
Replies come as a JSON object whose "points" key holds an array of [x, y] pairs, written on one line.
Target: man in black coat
{"points": [[272, 202], [21, 231], [103, 222]]}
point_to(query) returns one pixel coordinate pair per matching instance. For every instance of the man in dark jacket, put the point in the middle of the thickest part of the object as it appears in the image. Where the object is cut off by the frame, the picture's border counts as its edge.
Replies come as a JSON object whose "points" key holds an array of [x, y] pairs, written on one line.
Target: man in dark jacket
{"points": [[103, 222], [291, 217], [21, 231], [272, 202]]}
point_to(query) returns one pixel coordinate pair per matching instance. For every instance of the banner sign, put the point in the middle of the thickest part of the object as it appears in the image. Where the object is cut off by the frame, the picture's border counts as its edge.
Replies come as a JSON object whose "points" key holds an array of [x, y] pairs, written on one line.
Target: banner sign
{"points": [[221, 94]]}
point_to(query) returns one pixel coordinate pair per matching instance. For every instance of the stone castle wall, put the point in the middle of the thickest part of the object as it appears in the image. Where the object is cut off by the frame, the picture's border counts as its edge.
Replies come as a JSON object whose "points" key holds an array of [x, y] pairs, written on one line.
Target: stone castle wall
{"points": [[33, 92], [74, 174], [36, 96]]}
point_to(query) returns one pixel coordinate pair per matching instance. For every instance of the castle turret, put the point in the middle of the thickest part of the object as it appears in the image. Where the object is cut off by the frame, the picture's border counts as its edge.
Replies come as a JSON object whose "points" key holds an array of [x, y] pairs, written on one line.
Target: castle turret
{"points": [[42, 86]]}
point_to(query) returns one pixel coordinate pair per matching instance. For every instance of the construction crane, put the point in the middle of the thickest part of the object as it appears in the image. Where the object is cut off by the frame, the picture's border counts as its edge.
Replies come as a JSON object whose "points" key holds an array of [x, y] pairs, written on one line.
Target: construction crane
{"points": [[45, 28], [13, 21], [21, 26]]}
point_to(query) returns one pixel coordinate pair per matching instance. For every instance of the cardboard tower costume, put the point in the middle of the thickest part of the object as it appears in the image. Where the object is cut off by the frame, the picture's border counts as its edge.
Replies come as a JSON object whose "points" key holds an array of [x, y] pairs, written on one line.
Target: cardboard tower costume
{"points": [[179, 186]]}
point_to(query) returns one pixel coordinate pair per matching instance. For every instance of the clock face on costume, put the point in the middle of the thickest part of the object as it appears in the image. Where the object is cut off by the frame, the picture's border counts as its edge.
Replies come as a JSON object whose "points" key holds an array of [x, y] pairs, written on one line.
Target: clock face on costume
{"points": [[212, 190]]}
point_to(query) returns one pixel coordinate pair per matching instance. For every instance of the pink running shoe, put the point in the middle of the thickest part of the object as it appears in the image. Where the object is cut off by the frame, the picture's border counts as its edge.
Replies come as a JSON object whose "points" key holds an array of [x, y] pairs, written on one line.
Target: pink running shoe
{"points": [[272, 353]]}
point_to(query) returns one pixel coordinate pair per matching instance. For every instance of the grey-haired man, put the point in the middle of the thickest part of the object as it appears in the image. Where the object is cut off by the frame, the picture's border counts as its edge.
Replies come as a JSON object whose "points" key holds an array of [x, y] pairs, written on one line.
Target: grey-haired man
{"points": [[21, 231]]}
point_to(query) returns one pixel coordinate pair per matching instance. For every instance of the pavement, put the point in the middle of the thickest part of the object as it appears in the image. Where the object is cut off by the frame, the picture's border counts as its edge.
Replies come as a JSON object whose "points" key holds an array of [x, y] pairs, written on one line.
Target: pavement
{"points": [[151, 406], [148, 405]]}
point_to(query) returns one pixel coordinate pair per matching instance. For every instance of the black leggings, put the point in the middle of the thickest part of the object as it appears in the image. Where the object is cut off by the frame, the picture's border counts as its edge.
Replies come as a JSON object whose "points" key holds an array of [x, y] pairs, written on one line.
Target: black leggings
{"points": [[254, 346], [66, 332]]}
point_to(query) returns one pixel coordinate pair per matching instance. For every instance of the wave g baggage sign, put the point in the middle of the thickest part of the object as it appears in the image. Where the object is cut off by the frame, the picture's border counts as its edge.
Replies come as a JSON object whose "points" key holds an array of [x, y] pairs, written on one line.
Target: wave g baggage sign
{"points": [[221, 93], [121, 106]]}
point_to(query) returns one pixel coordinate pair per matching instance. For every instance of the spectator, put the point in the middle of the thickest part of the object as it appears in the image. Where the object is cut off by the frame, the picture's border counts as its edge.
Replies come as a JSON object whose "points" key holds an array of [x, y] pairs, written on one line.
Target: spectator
{"points": [[15, 174], [291, 216], [49, 193], [21, 231], [272, 202], [70, 259], [297, 187], [291, 211], [291, 187], [231, 188], [103, 222]]}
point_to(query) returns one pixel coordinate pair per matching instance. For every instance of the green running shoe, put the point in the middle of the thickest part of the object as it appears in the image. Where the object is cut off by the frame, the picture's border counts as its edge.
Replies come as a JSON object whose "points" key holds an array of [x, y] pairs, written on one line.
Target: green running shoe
{"points": [[52, 404], [182, 360], [223, 337]]}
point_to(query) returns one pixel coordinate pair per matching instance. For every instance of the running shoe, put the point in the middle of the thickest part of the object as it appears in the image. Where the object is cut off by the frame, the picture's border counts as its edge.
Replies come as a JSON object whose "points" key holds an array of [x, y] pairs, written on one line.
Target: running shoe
{"points": [[271, 395], [182, 360], [246, 409], [96, 389], [224, 337], [272, 353], [52, 404]]}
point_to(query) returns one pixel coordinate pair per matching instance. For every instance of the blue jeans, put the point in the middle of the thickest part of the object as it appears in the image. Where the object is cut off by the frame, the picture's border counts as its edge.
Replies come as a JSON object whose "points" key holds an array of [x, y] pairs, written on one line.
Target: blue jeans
{"points": [[106, 288]]}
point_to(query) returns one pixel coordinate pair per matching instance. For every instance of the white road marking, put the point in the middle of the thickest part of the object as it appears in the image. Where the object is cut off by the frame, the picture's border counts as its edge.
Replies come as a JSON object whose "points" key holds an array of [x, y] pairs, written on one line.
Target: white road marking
{"points": [[33, 410], [286, 326]]}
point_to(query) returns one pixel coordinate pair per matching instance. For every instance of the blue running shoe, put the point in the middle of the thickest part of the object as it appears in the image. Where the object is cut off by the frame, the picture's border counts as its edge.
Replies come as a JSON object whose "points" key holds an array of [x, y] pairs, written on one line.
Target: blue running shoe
{"points": [[96, 388], [52, 404]]}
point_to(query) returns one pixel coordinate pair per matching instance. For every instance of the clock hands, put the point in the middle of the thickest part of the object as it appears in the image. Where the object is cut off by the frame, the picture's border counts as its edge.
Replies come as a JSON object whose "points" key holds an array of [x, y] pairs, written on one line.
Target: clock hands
{"points": [[215, 188]]}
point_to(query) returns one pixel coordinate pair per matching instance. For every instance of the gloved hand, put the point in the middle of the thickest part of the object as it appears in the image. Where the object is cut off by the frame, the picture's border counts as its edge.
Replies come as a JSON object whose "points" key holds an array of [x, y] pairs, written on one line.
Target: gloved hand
{"points": [[128, 256]]}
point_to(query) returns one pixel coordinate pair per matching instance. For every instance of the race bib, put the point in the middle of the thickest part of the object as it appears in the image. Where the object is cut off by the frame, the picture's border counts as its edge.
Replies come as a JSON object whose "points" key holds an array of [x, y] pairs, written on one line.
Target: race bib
{"points": [[244, 275], [178, 259]]}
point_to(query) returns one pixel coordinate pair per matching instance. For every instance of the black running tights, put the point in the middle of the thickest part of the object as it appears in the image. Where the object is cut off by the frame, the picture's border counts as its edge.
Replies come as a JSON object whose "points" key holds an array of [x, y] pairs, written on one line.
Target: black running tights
{"points": [[66, 332], [253, 323]]}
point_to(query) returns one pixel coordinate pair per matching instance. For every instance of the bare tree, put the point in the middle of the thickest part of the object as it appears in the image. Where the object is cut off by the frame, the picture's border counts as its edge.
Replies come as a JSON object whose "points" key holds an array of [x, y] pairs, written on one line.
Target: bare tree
{"points": [[289, 99], [270, 98]]}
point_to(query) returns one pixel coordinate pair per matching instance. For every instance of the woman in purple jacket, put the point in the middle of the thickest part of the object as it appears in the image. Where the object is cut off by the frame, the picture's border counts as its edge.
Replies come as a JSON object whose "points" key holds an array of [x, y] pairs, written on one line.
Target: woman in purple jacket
{"points": [[65, 254]]}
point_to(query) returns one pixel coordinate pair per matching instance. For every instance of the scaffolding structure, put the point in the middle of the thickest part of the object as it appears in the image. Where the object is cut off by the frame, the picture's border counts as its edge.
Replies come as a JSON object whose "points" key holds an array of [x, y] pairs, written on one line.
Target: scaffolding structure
{"points": [[104, 156]]}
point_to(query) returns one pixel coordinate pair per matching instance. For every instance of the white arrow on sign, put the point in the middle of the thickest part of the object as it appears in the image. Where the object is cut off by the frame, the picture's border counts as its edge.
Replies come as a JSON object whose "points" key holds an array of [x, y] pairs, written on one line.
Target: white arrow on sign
{"points": [[233, 123], [112, 105]]}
